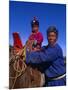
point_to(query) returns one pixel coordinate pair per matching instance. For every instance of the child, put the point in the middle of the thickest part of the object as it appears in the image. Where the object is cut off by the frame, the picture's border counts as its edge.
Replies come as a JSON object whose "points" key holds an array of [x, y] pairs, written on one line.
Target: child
{"points": [[52, 57], [36, 37]]}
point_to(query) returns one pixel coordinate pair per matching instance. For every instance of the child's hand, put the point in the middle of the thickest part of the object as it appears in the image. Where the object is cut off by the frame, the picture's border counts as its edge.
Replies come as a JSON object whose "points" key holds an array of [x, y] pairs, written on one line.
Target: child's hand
{"points": [[35, 49]]}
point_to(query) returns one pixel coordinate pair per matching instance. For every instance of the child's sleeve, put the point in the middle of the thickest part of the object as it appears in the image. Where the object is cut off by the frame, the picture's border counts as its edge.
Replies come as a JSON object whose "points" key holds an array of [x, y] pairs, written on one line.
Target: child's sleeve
{"points": [[40, 38], [30, 37]]}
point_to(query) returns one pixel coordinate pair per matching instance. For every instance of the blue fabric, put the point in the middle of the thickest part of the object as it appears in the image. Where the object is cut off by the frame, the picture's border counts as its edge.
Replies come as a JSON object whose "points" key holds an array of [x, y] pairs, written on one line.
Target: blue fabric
{"points": [[52, 55], [60, 82]]}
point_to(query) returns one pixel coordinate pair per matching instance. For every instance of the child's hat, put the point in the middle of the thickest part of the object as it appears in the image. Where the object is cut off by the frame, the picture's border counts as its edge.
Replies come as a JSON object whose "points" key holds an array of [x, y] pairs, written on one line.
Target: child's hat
{"points": [[34, 22]]}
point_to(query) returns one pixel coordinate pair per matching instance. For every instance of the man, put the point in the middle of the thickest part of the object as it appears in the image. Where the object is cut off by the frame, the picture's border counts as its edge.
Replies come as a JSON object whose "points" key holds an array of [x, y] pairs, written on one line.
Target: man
{"points": [[51, 58]]}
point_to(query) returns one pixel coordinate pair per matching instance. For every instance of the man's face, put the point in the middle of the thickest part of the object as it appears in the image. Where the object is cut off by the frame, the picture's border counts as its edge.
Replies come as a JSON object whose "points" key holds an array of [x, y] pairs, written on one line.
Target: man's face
{"points": [[35, 28], [52, 38]]}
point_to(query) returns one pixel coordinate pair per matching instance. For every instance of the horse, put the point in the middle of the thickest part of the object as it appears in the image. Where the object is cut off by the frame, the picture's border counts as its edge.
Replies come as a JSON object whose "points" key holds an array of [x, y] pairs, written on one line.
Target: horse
{"points": [[22, 75]]}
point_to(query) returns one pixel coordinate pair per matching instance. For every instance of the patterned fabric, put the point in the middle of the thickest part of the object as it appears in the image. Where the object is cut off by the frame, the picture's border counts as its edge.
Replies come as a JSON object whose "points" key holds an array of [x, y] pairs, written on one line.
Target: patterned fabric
{"points": [[38, 36]]}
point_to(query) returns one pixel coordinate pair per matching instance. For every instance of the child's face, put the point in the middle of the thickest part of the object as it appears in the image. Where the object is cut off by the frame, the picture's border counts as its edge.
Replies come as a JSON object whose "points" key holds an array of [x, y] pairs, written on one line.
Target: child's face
{"points": [[35, 28], [52, 38]]}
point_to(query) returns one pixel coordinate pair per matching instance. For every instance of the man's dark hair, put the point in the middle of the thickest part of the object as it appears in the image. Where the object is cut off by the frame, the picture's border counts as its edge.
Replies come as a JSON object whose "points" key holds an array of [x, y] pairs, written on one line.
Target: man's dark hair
{"points": [[52, 29]]}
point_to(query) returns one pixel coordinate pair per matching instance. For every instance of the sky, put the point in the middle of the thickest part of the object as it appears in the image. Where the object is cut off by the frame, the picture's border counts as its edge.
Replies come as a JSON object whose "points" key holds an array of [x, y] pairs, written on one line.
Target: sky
{"points": [[21, 14]]}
